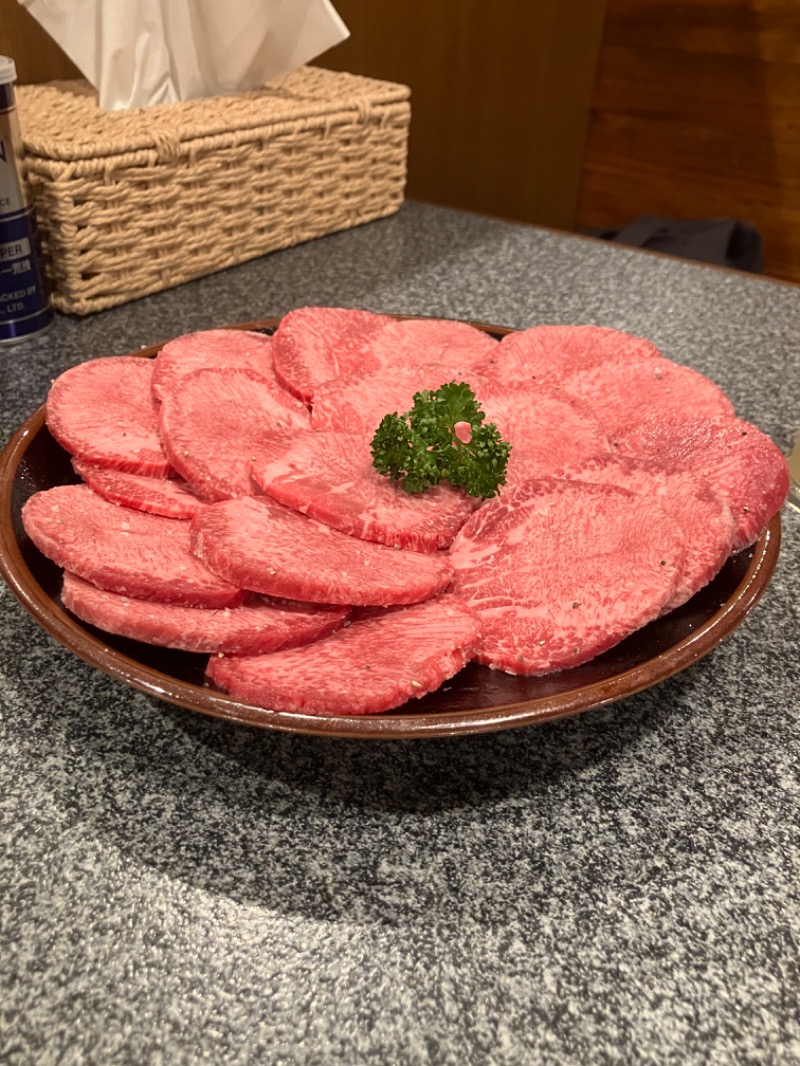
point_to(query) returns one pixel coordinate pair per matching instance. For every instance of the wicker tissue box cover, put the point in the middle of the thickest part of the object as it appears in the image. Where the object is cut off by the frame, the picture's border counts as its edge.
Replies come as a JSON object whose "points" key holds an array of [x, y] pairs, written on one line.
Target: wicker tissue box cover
{"points": [[132, 202]]}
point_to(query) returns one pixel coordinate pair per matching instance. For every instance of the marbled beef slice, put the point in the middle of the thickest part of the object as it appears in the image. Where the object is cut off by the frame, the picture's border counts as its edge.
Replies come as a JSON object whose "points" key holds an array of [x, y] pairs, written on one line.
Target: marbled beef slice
{"points": [[330, 477], [544, 426], [212, 422], [268, 548], [125, 551], [700, 511], [370, 666], [415, 341], [315, 344], [738, 460], [212, 349], [356, 403], [255, 627], [560, 571], [545, 353], [103, 411], [628, 388], [170, 497]]}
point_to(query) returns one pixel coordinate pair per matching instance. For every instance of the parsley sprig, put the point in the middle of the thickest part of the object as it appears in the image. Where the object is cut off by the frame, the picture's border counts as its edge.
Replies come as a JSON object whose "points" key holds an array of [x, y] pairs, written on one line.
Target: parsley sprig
{"points": [[421, 447]]}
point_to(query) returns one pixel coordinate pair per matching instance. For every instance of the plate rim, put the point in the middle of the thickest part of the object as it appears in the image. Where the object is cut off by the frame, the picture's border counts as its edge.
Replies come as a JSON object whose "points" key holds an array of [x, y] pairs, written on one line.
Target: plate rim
{"points": [[58, 624]]}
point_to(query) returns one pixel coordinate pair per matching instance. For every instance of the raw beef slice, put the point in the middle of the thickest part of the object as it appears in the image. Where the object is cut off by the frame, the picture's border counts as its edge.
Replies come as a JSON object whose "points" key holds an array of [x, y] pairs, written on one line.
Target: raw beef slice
{"points": [[129, 552], [103, 411], [314, 344], [545, 427], [268, 548], [546, 353], [371, 666], [253, 628], [212, 422], [169, 497], [629, 388], [739, 461], [356, 403], [560, 571], [702, 513], [330, 477], [414, 341], [212, 348]]}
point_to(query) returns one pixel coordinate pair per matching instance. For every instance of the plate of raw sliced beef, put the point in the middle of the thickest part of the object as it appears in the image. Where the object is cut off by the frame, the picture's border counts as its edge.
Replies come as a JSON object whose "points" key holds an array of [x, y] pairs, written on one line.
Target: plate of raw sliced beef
{"points": [[203, 521]]}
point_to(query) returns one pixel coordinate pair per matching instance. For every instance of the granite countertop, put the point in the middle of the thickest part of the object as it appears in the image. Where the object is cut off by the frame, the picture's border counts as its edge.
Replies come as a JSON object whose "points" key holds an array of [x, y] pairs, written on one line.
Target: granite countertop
{"points": [[619, 887]]}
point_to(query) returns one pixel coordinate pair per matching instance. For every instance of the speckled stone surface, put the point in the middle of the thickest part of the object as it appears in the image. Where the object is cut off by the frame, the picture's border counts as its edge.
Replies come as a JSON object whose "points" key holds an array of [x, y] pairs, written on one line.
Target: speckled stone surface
{"points": [[620, 887]]}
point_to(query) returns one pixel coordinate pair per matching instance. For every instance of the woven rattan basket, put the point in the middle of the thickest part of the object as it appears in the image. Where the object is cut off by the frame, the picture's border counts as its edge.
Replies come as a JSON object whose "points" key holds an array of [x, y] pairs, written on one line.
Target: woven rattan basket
{"points": [[132, 202]]}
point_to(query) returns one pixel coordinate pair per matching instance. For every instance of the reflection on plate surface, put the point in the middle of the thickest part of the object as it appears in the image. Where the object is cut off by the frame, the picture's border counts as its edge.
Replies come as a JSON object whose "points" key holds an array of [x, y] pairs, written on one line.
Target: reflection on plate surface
{"points": [[477, 700]]}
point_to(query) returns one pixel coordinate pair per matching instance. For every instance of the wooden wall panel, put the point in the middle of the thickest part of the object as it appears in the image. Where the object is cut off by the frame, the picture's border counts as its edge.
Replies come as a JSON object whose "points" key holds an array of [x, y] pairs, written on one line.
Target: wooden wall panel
{"points": [[500, 96], [695, 114], [36, 55]]}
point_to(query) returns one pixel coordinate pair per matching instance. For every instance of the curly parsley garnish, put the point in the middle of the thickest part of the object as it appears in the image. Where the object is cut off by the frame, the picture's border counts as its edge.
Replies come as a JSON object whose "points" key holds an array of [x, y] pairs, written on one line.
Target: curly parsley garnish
{"points": [[443, 438]]}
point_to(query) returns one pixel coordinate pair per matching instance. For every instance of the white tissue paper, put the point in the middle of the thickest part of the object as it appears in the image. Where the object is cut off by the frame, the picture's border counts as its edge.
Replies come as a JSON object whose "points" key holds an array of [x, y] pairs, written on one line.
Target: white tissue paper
{"points": [[142, 52]]}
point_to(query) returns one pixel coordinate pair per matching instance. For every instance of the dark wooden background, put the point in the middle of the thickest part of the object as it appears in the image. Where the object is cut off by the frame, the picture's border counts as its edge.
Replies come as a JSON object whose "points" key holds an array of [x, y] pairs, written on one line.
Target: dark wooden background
{"points": [[696, 114], [500, 96]]}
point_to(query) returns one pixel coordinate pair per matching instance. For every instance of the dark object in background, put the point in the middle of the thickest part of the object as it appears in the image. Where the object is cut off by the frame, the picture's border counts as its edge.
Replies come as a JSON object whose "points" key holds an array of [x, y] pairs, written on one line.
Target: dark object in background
{"points": [[724, 241]]}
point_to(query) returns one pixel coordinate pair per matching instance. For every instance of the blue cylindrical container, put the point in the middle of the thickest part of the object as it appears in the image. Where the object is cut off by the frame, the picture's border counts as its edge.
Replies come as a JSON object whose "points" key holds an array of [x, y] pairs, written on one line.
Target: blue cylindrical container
{"points": [[24, 305]]}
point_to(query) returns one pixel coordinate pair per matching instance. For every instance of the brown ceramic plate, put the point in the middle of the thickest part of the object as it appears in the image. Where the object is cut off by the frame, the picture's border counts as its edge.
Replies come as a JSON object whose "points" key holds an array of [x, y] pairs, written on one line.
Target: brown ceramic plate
{"points": [[477, 700]]}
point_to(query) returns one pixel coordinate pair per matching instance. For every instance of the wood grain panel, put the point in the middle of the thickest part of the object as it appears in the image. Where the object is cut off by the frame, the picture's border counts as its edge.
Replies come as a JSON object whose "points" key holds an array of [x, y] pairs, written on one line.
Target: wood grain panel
{"points": [[757, 29], [500, 96], [36, 55], [694, 115]]}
